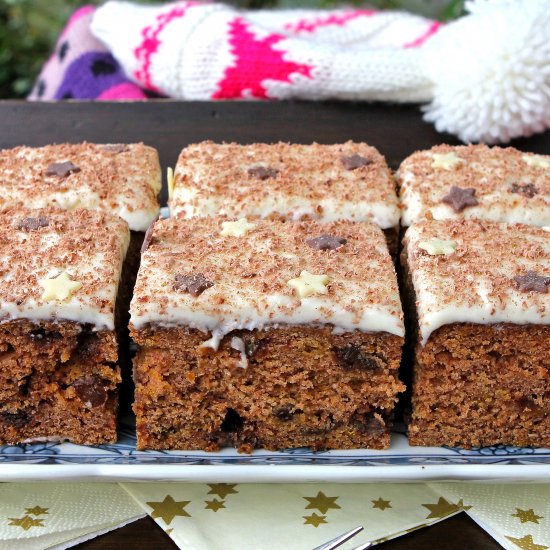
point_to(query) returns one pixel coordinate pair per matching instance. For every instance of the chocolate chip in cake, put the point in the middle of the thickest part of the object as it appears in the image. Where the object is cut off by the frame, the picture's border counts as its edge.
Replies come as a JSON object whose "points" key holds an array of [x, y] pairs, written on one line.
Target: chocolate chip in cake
{"points": [[148, 237], [459, 198], [369, 423], [17, 419], [252, 345], [62, 169], [352, 357], [193, 284], [326, 242], [286, 413], [116, 148], [91, 391], [355, 161], [528, 190], [531, 281], [262, 173], [89, 343], [32, 224]]}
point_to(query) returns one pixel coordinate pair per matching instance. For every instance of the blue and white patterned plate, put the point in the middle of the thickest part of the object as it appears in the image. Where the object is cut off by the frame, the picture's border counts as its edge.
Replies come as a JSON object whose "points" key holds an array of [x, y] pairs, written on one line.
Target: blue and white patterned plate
{"points": [[400, 463]]}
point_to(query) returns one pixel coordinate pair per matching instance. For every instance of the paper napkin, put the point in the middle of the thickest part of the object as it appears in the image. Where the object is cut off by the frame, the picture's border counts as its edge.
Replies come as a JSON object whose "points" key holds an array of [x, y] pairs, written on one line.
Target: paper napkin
{"points": [[36, 516], [221, 516], [516, 516]]}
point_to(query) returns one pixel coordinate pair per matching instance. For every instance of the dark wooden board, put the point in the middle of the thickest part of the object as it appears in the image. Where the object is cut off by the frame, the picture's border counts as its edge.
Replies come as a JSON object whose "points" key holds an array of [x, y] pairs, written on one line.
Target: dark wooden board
{"points": [[396, 130]]}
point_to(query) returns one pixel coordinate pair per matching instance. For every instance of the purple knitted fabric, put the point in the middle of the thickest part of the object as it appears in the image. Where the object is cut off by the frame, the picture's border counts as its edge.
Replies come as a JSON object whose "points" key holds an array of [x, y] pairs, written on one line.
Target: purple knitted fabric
{"points": [[81, 67]]}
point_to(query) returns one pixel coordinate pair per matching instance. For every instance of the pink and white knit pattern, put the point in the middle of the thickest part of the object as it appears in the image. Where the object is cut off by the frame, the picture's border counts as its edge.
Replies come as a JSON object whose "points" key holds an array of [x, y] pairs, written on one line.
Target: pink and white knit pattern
{"points": [[196, 50], [486, 75]]}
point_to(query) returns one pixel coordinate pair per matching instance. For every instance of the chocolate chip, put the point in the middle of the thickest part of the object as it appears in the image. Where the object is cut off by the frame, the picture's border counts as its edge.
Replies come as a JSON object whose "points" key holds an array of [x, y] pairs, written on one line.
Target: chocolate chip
{"points": [[355, 161], [369, 423], [352, 357], [116, 148], [459, 198], [91, 391], [32, 224], [262, 173], [17, 419], [148, 237], [89, 344], [194, 284], [286, 413], [326, 242], [531, 281], [252, 345], [526, 189], [62, 169]]}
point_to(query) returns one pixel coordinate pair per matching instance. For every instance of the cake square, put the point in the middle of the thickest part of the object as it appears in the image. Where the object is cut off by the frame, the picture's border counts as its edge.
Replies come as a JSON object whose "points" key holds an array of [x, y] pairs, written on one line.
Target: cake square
{"points": [[122, 179], [475, 181], [118, 178], [59, 276], [483, 323], [265, 333], [348, 181]]}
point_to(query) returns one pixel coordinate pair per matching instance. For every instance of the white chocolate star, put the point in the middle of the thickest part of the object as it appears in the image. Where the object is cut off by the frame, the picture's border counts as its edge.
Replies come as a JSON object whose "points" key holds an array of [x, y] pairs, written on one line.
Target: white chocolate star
{"points": [[537, 161], [170, 180], [60, 288], [236, 229], [436, 247], [546, 228], [445, 160], [307, 284]]}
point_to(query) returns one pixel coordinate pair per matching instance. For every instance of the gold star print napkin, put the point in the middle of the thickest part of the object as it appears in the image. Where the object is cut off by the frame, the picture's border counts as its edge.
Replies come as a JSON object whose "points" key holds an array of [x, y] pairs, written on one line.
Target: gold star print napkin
{"points": [[516, 516], [264, 517], [36, 516]]}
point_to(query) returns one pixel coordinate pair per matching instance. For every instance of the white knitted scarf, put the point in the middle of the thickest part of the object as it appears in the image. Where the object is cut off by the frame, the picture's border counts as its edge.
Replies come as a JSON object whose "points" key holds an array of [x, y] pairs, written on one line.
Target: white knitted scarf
{"points": [[486, 76]]}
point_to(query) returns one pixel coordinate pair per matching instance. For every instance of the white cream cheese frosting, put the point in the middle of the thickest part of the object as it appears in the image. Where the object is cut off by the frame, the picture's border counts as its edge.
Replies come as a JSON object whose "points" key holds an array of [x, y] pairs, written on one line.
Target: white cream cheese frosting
{"points": [[241, 282], [122, 179], [478, 279], [55, 267], [350, 181], [509, 185]]}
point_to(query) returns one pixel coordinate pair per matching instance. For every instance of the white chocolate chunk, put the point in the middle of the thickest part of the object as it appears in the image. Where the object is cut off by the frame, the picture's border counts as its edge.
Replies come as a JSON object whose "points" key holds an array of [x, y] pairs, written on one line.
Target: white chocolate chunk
{"points": [[537, 161], [308, 283], [437, 247], [59, 288], [447, 161], [236, 229], [170, 181]]}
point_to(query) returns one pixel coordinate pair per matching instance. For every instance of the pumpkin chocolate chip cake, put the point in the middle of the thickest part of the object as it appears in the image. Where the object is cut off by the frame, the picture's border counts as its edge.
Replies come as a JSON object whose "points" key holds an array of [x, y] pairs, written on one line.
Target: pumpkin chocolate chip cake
{"points": [[348, 181], [265, 333], [482, 365], [475, 181], [59, 276], [122, 179]]}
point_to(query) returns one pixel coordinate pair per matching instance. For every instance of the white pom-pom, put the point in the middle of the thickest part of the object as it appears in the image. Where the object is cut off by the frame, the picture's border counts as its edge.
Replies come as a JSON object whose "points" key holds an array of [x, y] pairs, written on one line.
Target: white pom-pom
{"points": [[491, 71]]}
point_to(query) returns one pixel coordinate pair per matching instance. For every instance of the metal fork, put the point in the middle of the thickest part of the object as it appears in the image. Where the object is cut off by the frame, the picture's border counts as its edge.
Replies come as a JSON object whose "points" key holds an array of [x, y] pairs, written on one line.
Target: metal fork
{"points": [[334, 543]]}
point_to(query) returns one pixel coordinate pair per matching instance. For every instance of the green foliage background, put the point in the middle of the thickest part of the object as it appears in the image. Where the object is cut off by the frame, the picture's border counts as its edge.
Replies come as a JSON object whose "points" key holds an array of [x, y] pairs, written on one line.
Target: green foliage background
{"points": [[29, 28]]}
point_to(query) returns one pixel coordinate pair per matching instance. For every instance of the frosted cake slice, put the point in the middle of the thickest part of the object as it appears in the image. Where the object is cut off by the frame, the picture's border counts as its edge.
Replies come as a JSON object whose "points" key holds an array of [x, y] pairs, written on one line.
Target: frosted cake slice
{"points": [[482, 366], [59, 278], [348, 181], [265, 334], [475, 181]]}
